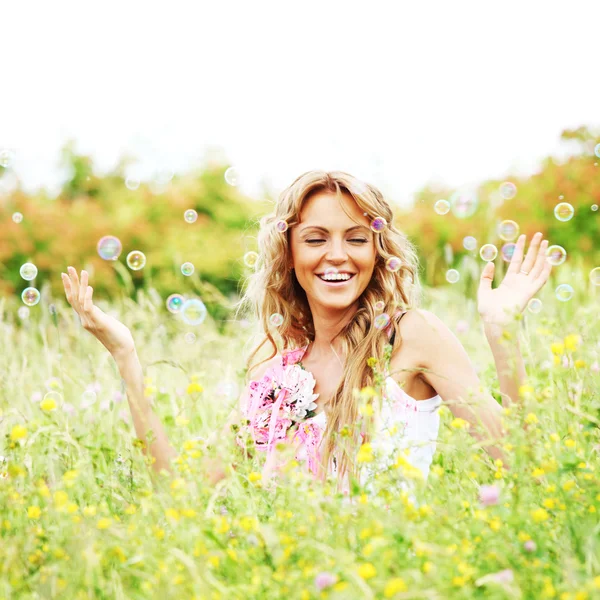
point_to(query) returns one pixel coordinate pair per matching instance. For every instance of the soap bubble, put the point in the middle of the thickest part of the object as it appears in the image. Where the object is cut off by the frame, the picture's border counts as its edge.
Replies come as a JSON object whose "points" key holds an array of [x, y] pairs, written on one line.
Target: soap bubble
{"points": [[508, 190], [441, 207], [276, 319], [232, 176], [379, 305], [190, 215], [452, 275], [53, 396], [594, 207], [88, 398], [187, 268], [23, 312], [393, 264], [556, 255], [6, 157], [564, 211], [564, 292], [508, 230], [136, 260], [174, 303], [281, 226], [132, 183], [193, 311], [463, 204], [378, 224], [507, 251], [469, 243], [488, 252], [17, 217], [189, 337], [30, 296], [597, 150], [534, 306], [109, 247], [595, 276], [28, 271], [381, 321], [250, 258]]}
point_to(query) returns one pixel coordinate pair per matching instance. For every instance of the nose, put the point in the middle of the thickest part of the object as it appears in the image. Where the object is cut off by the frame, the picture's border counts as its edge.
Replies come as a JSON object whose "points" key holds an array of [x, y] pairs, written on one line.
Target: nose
{"points": [[336, 252]]}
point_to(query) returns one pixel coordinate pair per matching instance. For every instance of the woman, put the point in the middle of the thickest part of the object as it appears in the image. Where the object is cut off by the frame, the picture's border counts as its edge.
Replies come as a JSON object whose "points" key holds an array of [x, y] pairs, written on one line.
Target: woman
{"points": [[331, 226]]}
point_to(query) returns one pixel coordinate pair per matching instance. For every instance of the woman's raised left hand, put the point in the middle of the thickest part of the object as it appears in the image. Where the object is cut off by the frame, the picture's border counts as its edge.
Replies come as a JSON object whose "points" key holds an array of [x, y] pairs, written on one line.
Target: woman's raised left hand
{"points": [[524, 278]]}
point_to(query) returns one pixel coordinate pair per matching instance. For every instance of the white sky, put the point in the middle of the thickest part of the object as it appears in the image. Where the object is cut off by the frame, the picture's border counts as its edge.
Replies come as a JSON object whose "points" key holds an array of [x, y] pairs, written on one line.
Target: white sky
{"points": [[398, 93]]}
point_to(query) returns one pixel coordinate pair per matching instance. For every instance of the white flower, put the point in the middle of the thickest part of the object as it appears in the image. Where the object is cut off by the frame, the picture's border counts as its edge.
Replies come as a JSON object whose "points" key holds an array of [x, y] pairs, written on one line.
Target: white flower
{"points": [[300, 385]]}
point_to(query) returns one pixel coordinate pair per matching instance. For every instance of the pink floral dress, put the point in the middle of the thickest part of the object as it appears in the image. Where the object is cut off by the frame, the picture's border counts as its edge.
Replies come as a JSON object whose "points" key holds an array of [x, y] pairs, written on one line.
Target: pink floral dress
{"points": [[280, 408]]}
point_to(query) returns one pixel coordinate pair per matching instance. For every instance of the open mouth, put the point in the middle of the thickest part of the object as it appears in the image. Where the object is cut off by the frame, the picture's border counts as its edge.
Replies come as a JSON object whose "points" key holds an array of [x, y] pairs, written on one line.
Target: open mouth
{"points": [[338, 280]]}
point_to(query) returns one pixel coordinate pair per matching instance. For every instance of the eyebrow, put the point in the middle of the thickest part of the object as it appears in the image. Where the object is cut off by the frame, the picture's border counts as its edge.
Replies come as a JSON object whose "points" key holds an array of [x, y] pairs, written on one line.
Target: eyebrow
{"points": [[327, 230]]}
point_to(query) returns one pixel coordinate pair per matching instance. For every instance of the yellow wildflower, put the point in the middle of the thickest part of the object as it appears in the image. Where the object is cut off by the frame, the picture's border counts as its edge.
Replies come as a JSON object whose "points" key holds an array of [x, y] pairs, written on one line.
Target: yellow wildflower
{"points": [[540, 515], [525, 390], [34, 512], [579, 363], [61, 498], [570, 443], [367, 571], [572, 341], [366, 410], [89, 511], [365, 453], [554, 437], [194, 388], [254, 476], [459, 423], [18, 433], [538, 472], [371, 361], [557, 348], [48, 405], [531, 419], [569, 485], [103, 523], [393, 586], [172, 513], [549, 503]]}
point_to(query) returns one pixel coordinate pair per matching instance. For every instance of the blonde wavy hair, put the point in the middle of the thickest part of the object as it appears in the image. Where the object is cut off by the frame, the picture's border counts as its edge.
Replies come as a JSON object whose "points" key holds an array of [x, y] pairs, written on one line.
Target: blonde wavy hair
{"points": [[274, 288]]}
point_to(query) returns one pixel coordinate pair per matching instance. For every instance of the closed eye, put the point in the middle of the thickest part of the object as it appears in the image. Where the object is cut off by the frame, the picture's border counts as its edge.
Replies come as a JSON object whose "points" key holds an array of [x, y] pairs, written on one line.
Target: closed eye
{"points": [[355, 240]]}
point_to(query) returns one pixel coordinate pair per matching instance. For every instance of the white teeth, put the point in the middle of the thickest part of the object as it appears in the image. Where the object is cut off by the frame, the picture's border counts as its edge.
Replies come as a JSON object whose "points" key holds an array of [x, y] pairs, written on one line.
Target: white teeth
{"points": [[338, 277]]}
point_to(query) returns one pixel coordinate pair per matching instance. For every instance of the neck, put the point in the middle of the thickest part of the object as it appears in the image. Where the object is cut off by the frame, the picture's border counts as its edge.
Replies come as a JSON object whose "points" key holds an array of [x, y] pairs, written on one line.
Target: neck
{"points": [[327, 326]]}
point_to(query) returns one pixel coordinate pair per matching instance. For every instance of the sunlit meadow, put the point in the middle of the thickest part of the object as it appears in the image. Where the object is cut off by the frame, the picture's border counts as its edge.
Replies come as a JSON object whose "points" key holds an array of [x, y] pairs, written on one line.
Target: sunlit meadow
{"points": [[81, 516]]}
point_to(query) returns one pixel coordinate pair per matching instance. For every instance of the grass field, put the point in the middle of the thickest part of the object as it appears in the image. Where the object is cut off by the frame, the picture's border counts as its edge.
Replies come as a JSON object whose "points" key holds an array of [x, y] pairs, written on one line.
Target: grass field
{"points": [[81, 517]]}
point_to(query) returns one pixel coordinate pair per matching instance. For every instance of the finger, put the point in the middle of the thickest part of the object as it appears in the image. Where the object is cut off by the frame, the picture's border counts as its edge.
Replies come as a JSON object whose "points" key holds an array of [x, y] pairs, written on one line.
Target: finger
{"points": [[67, 285], [88, 303], [517, 257], [541, 279], [532, 254], [83, 287], [74, 287], [540, 260], [87, 306]]}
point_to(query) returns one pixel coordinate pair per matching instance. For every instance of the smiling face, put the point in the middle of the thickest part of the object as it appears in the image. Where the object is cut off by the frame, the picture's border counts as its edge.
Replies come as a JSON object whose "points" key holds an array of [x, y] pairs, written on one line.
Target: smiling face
{"points": [[328, 240]]}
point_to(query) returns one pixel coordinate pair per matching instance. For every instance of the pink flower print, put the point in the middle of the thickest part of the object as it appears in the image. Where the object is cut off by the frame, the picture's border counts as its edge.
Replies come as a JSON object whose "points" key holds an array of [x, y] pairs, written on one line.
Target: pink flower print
{"points": [[291, 357]]}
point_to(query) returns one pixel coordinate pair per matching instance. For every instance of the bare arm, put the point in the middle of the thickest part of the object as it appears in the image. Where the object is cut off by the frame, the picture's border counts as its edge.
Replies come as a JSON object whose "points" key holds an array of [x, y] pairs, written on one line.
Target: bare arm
{"points": [[144, 418], [447, 368]]}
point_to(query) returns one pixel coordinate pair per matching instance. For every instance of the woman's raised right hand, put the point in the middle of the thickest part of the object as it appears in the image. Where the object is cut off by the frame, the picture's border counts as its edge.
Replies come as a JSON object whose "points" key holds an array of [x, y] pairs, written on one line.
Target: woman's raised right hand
{"points": [[114, 336]]}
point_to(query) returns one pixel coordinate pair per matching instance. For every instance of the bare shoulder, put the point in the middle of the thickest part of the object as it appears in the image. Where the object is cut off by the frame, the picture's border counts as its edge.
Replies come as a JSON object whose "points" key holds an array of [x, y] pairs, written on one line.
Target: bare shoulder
{"points": [[420, 330]]}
